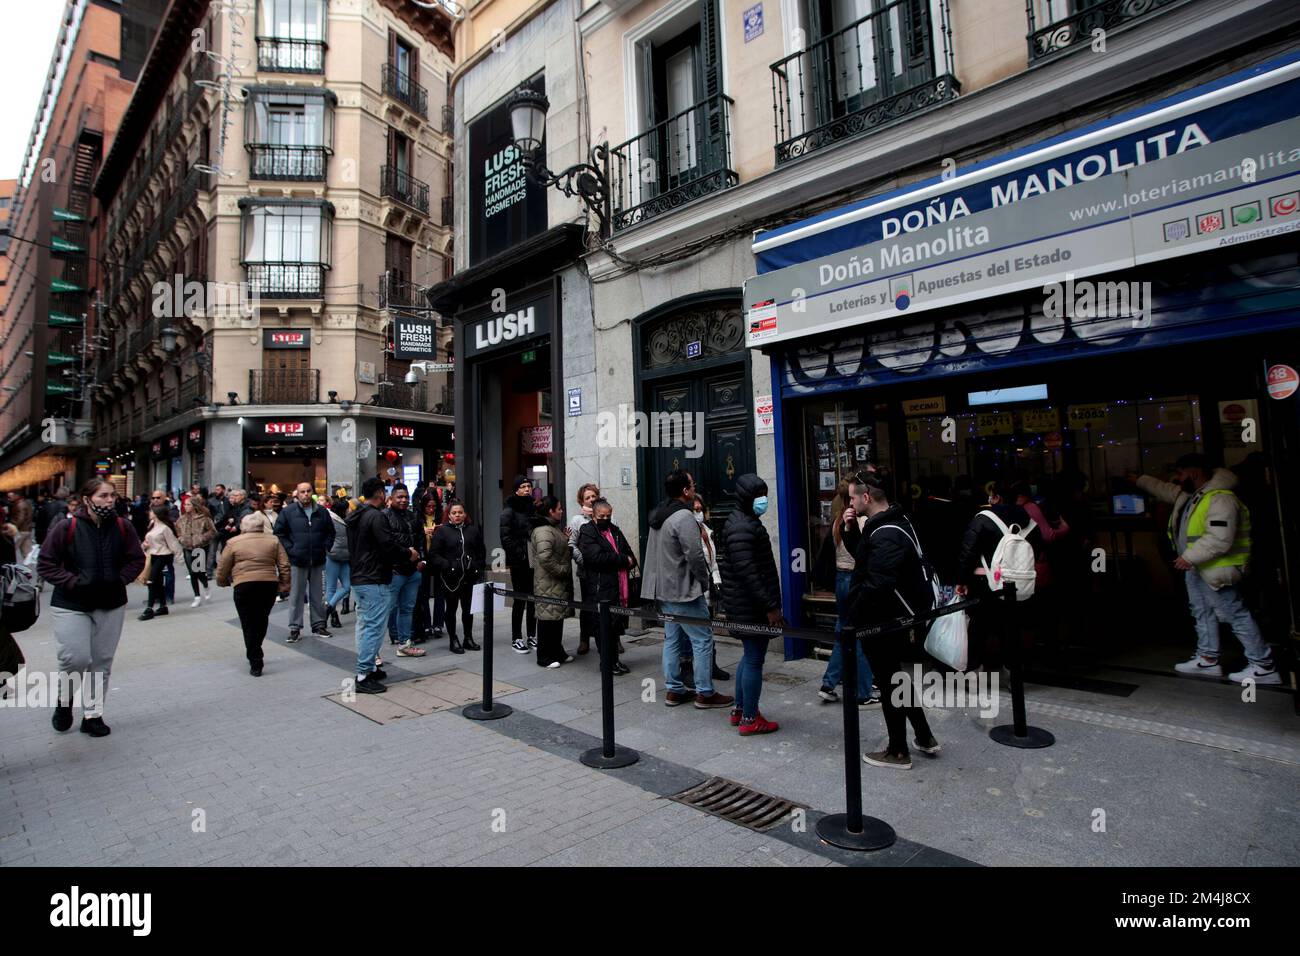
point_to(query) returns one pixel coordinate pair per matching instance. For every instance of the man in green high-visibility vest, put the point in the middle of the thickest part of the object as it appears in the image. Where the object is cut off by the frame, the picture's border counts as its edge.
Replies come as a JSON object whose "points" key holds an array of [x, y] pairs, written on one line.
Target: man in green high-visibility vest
{"points": [[1209, 528]]}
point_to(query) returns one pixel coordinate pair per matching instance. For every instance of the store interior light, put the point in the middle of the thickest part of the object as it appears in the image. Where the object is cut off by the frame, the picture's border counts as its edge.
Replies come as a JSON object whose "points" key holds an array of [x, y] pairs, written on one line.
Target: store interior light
{"points": [[1022, 393]]}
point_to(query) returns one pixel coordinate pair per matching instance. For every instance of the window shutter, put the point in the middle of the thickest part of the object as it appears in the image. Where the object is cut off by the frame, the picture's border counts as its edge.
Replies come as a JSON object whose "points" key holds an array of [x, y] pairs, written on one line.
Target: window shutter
{"points": [[711, 50]]}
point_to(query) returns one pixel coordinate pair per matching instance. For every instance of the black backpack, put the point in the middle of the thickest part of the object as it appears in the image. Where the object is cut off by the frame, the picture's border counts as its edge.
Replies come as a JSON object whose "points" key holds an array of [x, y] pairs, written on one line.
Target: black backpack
{"points": [[20, 602]]}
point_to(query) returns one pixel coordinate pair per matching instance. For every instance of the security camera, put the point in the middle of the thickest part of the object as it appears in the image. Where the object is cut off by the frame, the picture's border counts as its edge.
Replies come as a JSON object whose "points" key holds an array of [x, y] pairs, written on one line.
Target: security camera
{"points": [[412, 378]]}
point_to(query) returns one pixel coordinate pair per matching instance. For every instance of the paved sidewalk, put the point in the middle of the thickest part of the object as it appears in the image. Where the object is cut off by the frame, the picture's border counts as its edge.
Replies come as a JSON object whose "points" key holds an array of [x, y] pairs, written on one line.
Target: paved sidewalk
{"points": [[285, 776]]}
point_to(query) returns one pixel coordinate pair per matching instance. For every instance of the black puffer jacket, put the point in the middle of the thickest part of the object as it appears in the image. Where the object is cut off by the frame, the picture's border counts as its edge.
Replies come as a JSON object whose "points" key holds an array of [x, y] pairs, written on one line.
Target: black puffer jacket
{"points": [[457, 555], [751, 585], [516, 528], [372, 548]]}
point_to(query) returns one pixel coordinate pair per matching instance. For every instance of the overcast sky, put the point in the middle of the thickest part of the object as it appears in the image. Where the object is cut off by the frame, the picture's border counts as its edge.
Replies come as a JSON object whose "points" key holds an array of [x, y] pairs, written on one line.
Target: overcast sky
{"points": [[28, 29]]}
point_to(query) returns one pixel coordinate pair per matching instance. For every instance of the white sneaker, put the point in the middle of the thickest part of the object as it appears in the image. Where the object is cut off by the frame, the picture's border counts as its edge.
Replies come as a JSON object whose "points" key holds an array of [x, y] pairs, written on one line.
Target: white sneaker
{"points": [[196, 602], [207, 595], [552, 665], [1202, 666], [1257, 673]]}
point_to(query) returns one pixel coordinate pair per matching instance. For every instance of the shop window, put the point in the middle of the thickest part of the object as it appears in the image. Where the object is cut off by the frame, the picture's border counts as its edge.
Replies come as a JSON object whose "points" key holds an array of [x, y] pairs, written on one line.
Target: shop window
{"points": [[840, 438]]}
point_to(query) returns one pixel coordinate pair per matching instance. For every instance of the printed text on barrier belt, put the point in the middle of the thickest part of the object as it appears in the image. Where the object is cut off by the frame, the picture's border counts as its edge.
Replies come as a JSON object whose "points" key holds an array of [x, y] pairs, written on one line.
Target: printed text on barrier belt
{"points": [[767, 630]]}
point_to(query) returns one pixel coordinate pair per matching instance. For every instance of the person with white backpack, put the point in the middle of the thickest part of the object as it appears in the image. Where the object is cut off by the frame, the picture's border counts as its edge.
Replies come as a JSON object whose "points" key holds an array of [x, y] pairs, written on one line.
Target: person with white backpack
{"points": [[1000, 547], [891, 580]]}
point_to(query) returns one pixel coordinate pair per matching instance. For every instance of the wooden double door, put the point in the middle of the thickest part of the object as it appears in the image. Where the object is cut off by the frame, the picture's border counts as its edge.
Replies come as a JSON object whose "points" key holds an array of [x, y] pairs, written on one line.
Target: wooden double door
{"points": [[715, 442]]}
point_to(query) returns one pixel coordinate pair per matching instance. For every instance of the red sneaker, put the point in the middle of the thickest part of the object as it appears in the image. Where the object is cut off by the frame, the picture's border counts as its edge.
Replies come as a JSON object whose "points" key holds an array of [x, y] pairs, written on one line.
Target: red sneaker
{"points": [[735, 718], [759, 725]]}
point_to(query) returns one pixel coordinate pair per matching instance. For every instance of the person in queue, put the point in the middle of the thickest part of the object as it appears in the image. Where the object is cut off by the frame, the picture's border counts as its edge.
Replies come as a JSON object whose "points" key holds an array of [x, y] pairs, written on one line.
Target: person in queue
{"points": [[587, 623], [458, 557], [848, 521], [552, 565], [517, 514], [607, 560]]}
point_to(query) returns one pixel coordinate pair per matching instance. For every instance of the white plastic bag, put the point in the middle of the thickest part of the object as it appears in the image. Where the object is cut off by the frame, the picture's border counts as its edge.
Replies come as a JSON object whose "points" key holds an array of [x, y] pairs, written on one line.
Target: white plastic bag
{"points": [[947, 640]]}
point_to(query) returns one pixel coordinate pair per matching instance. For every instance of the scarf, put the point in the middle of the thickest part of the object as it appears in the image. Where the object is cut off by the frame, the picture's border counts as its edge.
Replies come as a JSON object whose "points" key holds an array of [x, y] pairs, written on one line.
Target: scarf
{"points": [[622, 574]]}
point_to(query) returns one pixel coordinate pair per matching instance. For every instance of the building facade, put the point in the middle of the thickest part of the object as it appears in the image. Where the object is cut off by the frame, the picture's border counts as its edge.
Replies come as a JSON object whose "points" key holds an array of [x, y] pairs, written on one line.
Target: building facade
{"points": [[784, 148], [51, 342], [279, 188], [519, 300]]}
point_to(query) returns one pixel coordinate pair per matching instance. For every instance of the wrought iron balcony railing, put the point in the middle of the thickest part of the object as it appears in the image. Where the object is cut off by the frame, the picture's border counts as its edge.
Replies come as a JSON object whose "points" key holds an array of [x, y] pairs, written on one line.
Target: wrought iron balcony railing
{"points": [[283, 386], [286, 280], [403, 88], [1059, 25], [875, 71], [291, 163], [409, 398], [398, 292], [285, 55], [683, 158], [405, 188]]}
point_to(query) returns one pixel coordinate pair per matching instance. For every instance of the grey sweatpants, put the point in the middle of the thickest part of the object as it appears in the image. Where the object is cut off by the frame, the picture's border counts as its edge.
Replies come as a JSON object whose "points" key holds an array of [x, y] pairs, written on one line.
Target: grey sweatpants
{"points": [[307, 581], [87, 641]]}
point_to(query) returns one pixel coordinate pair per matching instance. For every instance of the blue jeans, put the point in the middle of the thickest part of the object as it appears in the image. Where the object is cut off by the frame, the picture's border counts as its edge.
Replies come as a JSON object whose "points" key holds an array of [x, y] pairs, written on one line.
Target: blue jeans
{"points": [[749, 677], [835, 666], [373, 604], [338, 581], [1209, 607], [403, 590], [701, 639]]}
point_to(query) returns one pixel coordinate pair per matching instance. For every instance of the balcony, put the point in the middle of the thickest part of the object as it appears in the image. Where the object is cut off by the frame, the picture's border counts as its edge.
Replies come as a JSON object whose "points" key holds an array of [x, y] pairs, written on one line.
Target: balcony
{"points": [[448, 119], [288, 163], [286, 280], [397, 292], [405, 188], [1054, 29], [408, 398], [876, 71], [683, 158], [401, 87], [283, 386], [283, 55]]}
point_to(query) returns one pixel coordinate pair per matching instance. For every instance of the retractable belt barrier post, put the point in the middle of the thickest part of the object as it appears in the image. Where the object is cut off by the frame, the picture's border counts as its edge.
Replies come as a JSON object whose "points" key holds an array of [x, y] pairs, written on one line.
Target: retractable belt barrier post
{"points": [[609, 755], [851, 830], [1018, 733], [486, 710]]}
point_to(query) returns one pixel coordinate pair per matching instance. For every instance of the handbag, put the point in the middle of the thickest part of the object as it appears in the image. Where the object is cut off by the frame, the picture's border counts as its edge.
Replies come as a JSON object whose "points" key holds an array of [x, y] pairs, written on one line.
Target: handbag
{"points": [[948, 640], [144, 575]]}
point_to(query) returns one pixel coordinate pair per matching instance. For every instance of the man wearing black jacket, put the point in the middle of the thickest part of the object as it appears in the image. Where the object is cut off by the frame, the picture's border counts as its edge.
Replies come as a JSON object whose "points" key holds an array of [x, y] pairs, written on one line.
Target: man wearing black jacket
{"points": [[890, 580], [517, 514], [407, 573], [374, 551]]}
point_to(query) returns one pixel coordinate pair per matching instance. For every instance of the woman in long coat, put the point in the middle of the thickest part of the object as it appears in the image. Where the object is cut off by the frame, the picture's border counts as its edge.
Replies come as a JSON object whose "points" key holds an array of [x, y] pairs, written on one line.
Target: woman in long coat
{"points": [[552, 564], [607, 559]]}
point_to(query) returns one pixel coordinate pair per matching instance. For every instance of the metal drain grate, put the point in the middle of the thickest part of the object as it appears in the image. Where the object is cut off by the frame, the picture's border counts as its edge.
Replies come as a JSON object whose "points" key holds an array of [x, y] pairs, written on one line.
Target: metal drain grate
{"points": [[738, 803]]}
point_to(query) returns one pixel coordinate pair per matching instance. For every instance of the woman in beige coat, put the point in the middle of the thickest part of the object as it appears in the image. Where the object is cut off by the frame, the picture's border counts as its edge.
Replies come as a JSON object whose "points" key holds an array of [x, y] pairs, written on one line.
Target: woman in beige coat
{"points": [[552, 563], [256, 563], [162, 547]]}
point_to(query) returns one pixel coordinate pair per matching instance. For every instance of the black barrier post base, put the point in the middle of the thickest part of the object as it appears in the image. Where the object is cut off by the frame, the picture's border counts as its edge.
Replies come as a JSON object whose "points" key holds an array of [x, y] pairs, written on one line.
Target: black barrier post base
{"points": [[1034, 738], [623, 757], [1017, 734], [486, 709], [875, 834]]}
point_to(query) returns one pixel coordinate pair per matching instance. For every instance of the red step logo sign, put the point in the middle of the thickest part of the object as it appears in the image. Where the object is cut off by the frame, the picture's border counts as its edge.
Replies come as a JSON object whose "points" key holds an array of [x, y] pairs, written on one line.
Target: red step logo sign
{"points": [[287, 429]]}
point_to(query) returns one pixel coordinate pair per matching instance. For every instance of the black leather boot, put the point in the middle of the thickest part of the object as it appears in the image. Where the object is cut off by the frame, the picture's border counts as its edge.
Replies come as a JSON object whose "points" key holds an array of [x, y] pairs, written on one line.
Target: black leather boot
{"points": [[454, 645]]}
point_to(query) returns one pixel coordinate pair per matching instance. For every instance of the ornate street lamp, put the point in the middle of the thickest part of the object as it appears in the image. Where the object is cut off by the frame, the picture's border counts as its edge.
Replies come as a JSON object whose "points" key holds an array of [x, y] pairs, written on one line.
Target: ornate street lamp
{"points": [[588, 181]]}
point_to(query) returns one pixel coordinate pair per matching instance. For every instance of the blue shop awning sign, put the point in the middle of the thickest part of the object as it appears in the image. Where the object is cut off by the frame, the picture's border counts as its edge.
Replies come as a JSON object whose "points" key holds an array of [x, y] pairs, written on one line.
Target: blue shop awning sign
{"points": [[1215, 166]]}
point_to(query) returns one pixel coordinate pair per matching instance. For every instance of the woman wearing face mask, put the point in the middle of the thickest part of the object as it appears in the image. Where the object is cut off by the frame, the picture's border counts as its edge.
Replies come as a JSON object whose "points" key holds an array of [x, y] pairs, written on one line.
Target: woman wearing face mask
{"points": [[714, 597], [607, 559], [89, 558], [552, 563], [587, 622], [751, 594], [458, 557]]}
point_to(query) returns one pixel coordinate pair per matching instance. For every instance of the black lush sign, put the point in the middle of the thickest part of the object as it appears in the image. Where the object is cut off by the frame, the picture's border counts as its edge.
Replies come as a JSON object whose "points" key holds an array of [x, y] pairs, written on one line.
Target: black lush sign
{"points": [[413, 339], [504, 208]]}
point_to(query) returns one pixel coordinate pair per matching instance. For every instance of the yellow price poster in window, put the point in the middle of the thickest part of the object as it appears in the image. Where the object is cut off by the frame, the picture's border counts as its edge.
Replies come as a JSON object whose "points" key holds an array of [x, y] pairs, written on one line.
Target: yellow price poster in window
{"points": [[1082, 416], [1039, 420], [913, 429], [995, 423]]}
